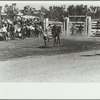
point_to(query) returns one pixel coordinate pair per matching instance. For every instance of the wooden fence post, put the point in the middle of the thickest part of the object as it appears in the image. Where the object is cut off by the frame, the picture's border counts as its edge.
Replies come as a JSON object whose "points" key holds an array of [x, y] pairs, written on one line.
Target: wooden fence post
{"points": [[89, 33]]}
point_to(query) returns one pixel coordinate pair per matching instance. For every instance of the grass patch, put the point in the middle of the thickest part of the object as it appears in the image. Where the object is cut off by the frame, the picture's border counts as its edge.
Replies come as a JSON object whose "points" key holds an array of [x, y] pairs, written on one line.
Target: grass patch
{"points": [[35, 46]]}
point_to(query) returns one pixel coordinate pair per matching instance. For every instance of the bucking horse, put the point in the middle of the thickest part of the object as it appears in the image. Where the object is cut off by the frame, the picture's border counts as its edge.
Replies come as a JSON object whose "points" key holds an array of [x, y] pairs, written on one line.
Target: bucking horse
{"points": [[55, 31]]}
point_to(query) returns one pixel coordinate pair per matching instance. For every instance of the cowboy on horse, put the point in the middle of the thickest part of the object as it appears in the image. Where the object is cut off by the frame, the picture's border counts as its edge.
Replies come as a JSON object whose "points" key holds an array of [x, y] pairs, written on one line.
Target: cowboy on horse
{"points": [[56, 30]]}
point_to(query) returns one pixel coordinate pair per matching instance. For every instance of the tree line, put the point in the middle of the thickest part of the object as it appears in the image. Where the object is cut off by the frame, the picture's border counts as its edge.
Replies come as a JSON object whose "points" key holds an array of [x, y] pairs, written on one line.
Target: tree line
{"points": [[54, 12]]}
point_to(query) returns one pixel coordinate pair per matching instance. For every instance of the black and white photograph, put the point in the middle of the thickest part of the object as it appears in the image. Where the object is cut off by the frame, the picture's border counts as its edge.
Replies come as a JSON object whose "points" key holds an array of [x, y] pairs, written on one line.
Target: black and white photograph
{"points": [[49, 49], [50, 41]]}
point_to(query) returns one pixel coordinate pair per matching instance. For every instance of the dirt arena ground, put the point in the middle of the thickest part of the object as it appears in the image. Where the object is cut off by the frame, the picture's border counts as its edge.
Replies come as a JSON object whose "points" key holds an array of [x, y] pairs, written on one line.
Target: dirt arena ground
{"points": [[76, 60]]}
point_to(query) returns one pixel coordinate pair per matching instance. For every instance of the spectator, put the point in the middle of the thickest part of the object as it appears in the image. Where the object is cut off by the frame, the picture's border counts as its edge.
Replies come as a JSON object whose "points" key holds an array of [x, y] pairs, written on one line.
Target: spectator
{"points": [[4, 31], [80, 28]]}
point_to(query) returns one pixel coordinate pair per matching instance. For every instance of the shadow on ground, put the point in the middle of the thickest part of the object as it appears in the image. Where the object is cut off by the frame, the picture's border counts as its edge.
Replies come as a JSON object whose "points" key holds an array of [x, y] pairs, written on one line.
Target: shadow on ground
{"points": [[44, 47]]}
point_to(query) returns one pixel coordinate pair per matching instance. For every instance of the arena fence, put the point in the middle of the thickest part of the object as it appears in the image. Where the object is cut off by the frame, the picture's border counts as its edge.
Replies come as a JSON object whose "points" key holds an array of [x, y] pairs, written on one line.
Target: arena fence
{"points": [[89, 26], [84, 21], [95, 26], [77, 21]]}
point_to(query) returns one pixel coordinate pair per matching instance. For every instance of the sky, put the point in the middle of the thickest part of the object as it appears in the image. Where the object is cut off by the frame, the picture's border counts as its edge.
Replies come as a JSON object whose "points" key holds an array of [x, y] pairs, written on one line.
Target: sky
{"points": [[46, 4]]}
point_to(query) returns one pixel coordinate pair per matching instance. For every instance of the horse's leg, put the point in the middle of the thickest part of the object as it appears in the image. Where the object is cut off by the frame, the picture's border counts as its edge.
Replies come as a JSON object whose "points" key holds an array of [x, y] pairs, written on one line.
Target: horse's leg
{"points": [[55, 42], [44, 38], [59, 40]]}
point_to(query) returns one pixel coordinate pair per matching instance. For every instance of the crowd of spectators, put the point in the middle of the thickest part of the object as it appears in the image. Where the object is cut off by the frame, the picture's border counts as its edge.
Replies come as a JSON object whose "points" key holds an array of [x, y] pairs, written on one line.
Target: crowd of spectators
{"points": [[20, 28]]}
